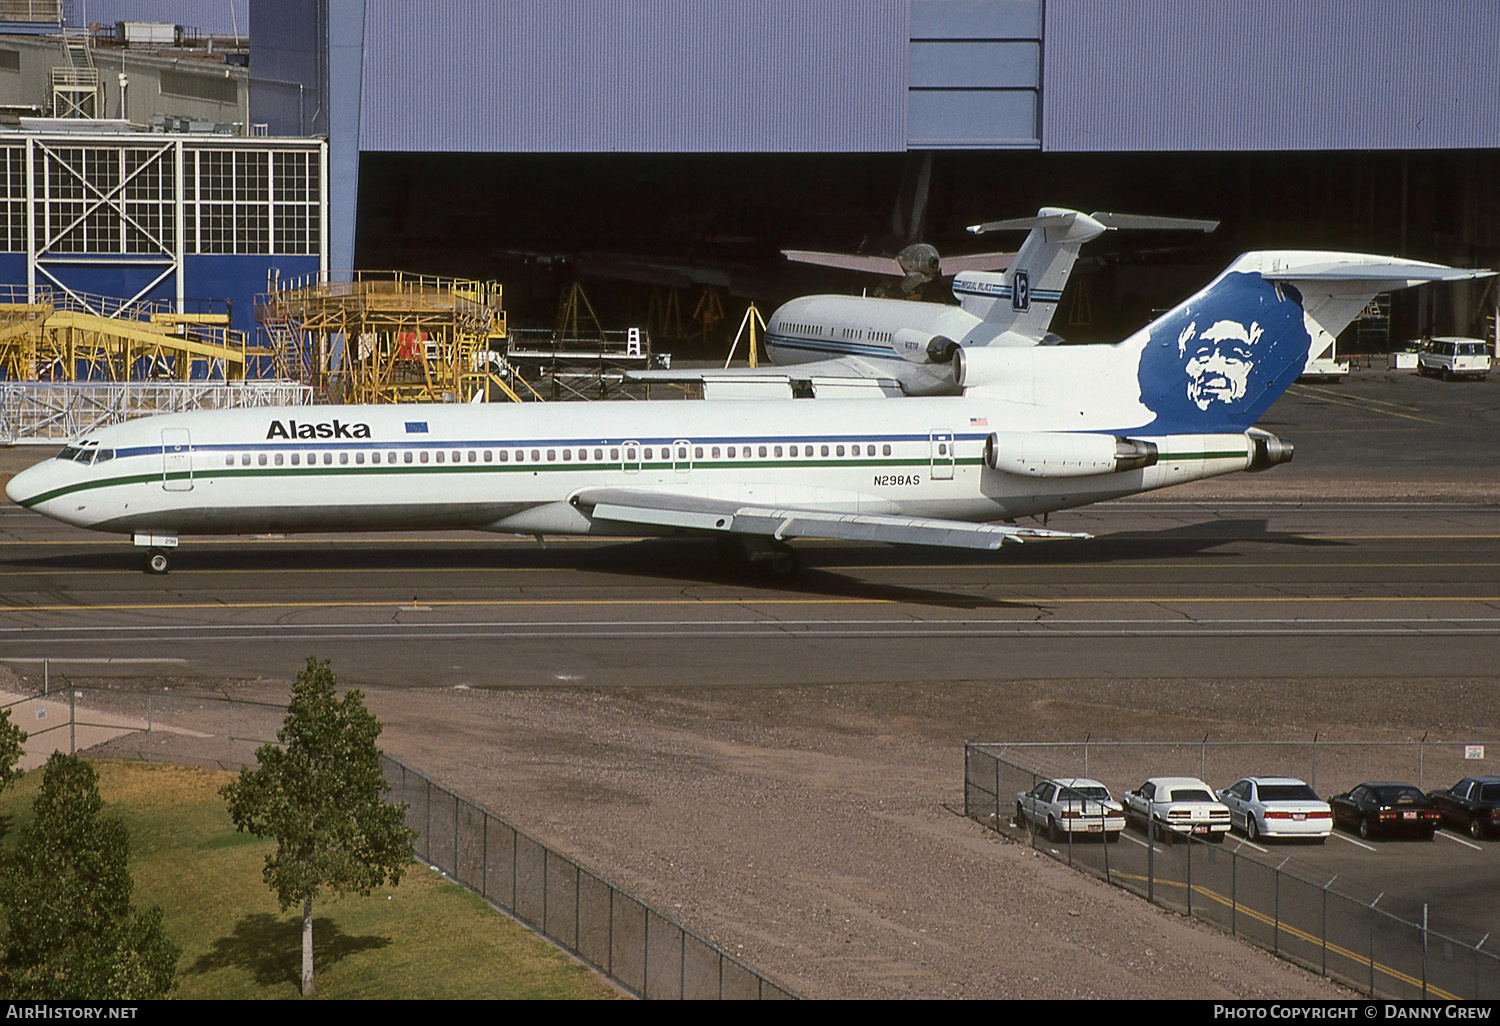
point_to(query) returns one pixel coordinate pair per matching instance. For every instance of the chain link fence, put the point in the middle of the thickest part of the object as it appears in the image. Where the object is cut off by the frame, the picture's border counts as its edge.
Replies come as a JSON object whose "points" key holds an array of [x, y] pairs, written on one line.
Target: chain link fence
{"points": [[1310, 923], [646, 952]]}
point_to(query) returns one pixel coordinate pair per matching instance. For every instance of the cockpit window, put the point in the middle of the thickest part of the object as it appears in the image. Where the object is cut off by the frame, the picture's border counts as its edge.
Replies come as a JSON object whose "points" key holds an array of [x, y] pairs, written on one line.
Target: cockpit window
{"points": [[85, 456]]}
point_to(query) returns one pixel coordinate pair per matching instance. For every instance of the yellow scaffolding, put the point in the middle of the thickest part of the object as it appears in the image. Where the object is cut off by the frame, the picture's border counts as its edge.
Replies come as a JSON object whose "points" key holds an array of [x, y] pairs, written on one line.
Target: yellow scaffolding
{"points": [[389, 336], [71, 336]]}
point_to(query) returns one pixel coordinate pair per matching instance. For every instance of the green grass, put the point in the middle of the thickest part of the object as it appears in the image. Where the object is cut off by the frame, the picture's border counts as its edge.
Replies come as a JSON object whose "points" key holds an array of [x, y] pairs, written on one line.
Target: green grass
{"points": [[427, 938]]}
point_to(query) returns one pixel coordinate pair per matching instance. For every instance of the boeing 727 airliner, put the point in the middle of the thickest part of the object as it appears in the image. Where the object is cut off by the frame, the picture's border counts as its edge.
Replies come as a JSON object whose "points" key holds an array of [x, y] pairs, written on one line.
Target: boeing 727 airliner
{"points": [[1037, 429]]}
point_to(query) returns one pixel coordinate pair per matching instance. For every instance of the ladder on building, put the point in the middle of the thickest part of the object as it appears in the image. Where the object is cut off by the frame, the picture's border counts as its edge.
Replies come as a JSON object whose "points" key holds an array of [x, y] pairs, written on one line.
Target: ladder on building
{"points": [[76, 92]]}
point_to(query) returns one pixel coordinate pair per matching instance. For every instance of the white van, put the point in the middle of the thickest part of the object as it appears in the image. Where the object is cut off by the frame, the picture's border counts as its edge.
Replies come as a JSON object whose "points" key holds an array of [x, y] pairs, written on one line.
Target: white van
{"points": [[1454, 357]]}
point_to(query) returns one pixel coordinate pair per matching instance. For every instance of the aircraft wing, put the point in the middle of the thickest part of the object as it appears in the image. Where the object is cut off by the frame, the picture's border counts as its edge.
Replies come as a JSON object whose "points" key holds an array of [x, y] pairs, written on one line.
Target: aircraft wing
{"points": [[700, 513]]}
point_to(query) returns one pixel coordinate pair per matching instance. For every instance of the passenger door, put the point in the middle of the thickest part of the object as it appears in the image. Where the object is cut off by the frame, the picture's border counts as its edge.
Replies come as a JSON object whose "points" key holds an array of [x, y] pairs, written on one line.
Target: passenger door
{"points": [[941, 443], [176, 460]]}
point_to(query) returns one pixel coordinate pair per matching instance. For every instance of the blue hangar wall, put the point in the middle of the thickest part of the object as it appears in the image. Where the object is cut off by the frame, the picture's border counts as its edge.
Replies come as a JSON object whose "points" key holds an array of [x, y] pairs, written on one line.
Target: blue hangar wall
{"points": [[875, 76]]}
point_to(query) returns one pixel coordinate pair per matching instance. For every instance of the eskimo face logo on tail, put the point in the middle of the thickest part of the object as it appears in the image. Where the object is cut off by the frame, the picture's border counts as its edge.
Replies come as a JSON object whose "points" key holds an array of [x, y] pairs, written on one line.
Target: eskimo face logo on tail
{"points": [[1220, 359]]}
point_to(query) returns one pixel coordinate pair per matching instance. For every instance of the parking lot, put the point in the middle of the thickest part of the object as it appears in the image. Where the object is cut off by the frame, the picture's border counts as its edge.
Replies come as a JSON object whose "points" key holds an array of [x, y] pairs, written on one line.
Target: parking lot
{"points": [[1316, 903]]}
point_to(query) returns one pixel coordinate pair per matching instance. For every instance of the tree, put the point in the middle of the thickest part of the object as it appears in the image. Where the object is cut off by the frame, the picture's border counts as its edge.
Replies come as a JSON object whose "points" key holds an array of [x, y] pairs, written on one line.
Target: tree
{"points": [[320, 797], [12, 746], [70, 930]]}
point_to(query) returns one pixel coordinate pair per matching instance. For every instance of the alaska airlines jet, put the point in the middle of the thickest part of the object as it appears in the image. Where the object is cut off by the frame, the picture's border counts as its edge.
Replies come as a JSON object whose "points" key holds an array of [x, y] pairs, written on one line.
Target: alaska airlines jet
{"points": [[860, 346], [1037, 429]]}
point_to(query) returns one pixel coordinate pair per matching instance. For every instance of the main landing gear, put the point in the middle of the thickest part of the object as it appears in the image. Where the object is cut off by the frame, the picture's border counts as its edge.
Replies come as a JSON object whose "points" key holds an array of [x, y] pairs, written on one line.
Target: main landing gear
{"points": [[778, 557], [158, 550]]}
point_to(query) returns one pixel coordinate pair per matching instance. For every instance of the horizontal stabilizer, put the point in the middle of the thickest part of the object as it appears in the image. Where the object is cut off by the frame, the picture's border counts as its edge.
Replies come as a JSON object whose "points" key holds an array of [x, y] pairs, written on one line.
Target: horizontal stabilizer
{"points": [[847, 261], [1064, 219], [702, 513], [1146, 222], [1400, 273]]}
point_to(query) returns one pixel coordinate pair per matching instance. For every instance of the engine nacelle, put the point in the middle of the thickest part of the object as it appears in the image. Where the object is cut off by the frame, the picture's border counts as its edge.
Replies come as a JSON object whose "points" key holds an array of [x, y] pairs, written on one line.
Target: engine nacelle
{"points": [[923, 346], [1059, 454], [1267, 451], [978, 366]]}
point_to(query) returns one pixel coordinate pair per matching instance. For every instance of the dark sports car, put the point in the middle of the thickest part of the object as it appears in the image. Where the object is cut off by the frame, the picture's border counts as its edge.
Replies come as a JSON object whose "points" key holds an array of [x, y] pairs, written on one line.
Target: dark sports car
{"points": [[1472, 804], [1386, 807]]}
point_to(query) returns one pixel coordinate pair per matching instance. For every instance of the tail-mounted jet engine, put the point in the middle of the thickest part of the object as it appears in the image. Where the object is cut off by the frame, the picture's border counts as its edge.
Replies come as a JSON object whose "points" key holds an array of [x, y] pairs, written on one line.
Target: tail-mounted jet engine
{"points": [[1267, 450], [923, 346], [1059, 454]]}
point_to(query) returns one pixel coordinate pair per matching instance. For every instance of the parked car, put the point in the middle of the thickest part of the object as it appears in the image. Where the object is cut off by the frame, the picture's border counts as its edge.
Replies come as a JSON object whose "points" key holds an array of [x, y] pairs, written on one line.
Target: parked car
{"points": [[1452, 357], [1472, 804], [1385, 807], [1072, 805], [1275, 807], [1166, 807]]}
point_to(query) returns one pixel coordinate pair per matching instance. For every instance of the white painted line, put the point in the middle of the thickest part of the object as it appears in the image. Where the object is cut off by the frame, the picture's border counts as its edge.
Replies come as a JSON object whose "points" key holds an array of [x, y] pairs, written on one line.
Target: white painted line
{"points": [[1247, 843], [1459, 840], [1137, 841], [1361, 844], [105, 660]]}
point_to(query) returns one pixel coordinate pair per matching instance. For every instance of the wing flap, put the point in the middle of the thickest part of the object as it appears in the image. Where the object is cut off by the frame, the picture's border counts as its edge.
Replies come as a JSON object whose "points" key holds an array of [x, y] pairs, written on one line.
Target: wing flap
{"points": [[700, 513]]}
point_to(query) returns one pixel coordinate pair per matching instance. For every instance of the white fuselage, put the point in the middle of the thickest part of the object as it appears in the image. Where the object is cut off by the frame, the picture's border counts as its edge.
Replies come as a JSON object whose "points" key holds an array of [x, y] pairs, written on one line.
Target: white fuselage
{"points": [[858, 333], [515, 468]]}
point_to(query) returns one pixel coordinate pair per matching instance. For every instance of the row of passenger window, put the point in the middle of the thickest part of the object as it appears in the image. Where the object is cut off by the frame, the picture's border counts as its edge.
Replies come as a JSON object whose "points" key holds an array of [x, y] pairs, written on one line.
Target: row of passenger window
{"points": [[632, 454]]}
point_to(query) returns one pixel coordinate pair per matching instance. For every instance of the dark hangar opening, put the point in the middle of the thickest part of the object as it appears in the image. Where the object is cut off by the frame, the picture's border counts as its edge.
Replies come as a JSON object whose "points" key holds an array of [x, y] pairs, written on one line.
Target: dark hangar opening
{"points": [[622, 223]]}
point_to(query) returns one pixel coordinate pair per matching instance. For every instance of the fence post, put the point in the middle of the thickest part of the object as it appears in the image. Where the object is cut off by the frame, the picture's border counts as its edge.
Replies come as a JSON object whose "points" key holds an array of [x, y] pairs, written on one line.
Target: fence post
{"points": [[1325, 928], [1234, 895], [1424, 951], [1150, 859], [148, 727], [997, 794], [1192, 843], [1276, 917]]}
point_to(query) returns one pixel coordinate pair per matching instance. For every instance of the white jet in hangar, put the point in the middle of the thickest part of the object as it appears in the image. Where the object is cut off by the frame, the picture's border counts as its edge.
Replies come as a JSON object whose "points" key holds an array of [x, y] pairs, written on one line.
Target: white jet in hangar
{"points": [[1038, 429], [859, 346]]}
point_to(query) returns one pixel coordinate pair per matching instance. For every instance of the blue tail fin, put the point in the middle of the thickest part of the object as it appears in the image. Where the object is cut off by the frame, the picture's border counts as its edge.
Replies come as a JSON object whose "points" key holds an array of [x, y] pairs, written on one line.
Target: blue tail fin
{"points": [[1217, 361]]}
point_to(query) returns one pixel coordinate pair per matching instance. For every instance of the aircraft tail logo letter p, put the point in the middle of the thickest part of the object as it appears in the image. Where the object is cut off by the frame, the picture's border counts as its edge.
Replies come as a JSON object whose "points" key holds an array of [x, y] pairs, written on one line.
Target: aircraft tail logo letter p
{"points": [[1020, 291]]}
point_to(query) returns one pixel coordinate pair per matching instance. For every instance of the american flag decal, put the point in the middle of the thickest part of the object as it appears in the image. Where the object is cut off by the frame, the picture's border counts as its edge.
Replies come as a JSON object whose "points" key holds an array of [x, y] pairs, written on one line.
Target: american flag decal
{"points": [[979, 422]]}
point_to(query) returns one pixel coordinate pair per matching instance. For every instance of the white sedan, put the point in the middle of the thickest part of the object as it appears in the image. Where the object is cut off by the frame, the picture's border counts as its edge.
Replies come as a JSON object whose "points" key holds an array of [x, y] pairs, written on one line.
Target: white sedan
{"points": [[1072, 805], [1166, 807], [1277, 807]]}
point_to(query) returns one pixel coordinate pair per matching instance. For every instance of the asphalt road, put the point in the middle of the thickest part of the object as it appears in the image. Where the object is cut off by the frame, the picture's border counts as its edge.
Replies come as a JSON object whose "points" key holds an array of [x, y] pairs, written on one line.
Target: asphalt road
{"points": [[1354, 589]]}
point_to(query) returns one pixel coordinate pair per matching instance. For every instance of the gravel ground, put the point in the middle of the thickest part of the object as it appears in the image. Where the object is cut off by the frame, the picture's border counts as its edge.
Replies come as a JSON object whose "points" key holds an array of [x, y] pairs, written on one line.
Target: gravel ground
{"points": [[816, 832]]}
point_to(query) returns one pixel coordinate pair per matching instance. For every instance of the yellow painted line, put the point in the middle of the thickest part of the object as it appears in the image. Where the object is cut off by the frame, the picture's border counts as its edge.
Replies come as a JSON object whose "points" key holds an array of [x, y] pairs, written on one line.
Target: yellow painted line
{"points": [[452, 603], [1358, 404], [1353, 956], [1335, 394]]}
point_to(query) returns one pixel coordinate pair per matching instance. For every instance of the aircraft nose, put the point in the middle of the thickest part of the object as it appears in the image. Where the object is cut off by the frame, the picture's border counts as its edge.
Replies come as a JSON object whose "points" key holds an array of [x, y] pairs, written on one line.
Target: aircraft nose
{"points": [[22, 486]]}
